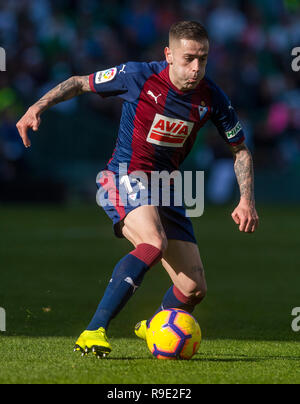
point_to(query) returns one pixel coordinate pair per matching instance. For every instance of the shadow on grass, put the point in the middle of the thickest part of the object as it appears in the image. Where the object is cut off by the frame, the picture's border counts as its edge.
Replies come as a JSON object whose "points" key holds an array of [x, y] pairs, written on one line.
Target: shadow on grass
{"points": [[194, 359], [204, 358], [214, 360], [245, 358], [116, 334]]}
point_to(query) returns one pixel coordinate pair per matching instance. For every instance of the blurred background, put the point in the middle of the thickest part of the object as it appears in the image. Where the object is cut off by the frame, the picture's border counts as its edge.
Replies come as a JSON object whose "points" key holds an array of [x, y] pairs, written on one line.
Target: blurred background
{"points": [[48, 41]]}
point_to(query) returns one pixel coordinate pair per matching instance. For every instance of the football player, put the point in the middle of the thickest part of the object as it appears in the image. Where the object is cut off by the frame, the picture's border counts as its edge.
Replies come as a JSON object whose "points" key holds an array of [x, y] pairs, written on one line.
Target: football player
{"points": [[166, 103]]}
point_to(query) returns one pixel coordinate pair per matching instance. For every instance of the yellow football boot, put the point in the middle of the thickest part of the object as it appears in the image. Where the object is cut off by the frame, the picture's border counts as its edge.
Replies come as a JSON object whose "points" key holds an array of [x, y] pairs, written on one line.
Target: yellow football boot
{"points": [[140, 329], [93, 341]]}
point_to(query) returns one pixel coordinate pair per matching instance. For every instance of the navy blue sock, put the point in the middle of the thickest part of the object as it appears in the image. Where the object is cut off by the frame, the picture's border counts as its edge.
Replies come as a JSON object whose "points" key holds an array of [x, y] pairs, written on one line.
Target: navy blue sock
{"points": [[126, 278], [174, 299]]}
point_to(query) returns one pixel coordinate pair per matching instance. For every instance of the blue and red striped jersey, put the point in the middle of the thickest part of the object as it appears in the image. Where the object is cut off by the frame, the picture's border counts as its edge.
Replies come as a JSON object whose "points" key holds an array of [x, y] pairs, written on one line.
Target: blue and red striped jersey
{"points": [[159, 123]]}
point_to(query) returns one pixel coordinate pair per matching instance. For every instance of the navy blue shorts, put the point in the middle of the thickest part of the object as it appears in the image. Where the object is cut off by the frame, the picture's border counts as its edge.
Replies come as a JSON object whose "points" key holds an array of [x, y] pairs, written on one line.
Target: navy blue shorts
{"points": [[119, 196]]}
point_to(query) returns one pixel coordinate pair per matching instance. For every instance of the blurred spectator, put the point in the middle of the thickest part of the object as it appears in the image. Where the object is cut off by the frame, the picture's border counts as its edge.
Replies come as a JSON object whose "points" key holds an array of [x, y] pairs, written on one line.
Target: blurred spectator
{"points": [[11, 149]]}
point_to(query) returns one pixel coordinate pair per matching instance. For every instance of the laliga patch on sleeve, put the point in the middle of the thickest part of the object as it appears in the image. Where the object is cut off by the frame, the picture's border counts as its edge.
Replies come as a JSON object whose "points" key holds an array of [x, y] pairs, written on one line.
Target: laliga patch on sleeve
{"points": [[105, 75], [233, 132]]}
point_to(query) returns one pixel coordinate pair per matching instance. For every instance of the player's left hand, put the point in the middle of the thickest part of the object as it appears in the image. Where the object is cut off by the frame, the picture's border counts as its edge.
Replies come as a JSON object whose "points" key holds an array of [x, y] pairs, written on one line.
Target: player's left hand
{"points": [[246, 217]]}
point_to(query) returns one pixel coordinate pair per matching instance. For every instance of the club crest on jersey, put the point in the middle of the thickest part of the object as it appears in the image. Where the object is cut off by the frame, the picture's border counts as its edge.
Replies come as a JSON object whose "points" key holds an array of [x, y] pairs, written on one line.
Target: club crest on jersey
{"points": [[202, 111], [105, 75], [169, 132]]}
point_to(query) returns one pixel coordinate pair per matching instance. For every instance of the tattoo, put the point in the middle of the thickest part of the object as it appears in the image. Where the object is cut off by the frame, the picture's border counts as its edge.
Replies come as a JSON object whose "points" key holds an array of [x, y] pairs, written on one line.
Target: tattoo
{"points": [[70, 88], [243, 167]]}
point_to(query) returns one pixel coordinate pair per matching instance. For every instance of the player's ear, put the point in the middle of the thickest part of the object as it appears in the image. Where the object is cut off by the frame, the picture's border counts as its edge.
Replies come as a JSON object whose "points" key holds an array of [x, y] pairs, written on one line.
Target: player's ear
{"points": [[168, 55]]}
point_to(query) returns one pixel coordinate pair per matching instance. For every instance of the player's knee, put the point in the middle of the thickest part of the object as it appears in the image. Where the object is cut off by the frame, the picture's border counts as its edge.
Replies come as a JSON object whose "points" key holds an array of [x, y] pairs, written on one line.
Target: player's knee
{"points": [[196, 292], [160, 242], [199, 294], [163, 244]]}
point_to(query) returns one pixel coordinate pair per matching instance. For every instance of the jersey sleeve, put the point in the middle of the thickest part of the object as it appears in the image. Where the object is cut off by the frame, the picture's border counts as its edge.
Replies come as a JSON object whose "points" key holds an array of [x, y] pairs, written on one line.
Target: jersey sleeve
{"points": [[118, 81], [225, 118]]}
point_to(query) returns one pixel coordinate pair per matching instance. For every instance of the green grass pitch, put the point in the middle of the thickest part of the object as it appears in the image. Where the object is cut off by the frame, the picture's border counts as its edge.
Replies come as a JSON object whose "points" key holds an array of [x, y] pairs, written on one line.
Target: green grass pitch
{"points": [[56, 262]]}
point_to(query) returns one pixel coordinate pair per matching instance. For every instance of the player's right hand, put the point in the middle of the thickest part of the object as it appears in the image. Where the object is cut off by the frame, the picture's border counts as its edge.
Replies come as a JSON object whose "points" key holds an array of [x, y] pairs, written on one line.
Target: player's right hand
{"points": [[31, 120]]}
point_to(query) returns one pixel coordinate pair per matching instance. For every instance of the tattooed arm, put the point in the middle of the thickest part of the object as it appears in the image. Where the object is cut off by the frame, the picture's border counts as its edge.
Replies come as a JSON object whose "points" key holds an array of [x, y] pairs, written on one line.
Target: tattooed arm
{"points": [[245, 215], [70, 88]]}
